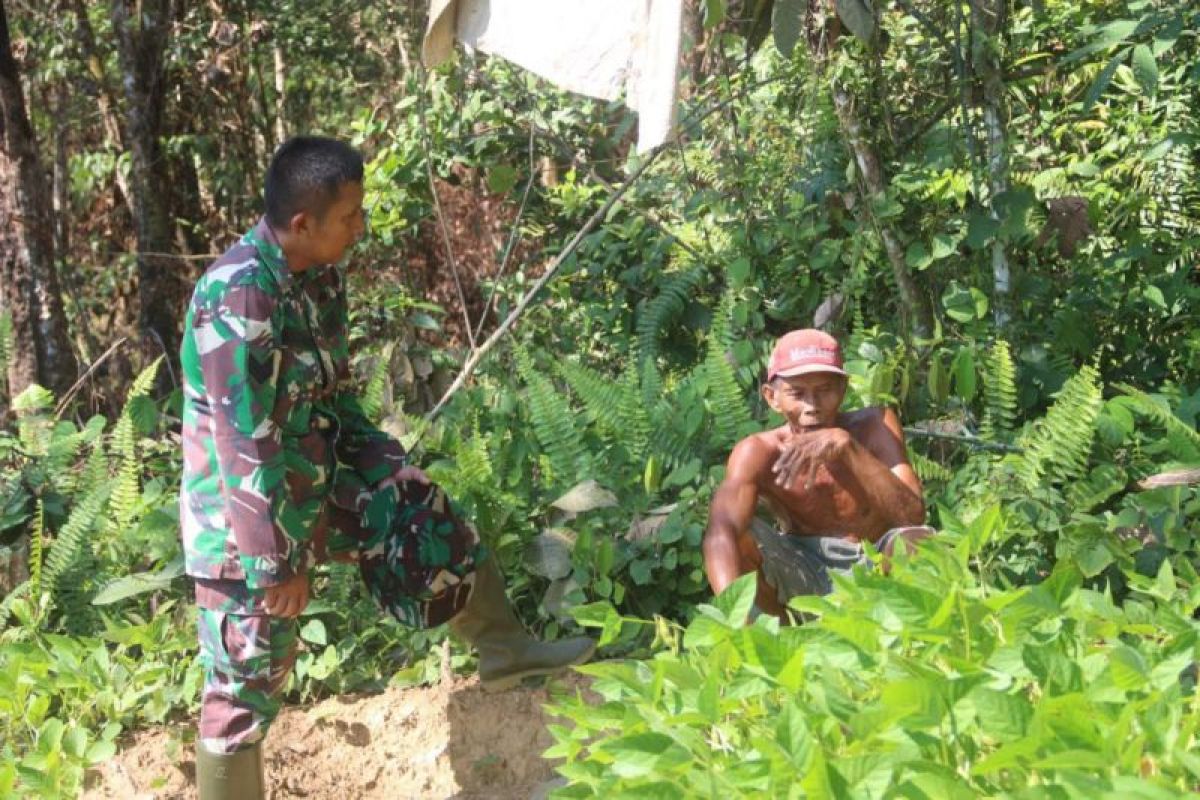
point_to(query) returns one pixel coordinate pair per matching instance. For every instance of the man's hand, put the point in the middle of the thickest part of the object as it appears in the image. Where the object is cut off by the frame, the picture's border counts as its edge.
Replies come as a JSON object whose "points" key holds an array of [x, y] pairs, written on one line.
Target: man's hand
{"points": [[287, 599], [804, 452], [405, 473]]}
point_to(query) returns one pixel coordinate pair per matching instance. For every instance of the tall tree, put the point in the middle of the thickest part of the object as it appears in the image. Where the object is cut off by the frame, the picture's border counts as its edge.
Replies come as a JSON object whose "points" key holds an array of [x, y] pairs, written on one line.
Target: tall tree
{"points": [[142, 29], [29, 284]]}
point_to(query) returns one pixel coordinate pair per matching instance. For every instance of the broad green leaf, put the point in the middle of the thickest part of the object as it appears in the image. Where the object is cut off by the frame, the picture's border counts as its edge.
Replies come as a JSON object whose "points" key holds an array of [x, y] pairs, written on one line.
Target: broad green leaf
{"points": [[859, 18], [737, 599], [139, 583], [636, 754], [314, 632], [965, 378], [917, 257], [1102, 81], [1145, 68], [787, 23]]}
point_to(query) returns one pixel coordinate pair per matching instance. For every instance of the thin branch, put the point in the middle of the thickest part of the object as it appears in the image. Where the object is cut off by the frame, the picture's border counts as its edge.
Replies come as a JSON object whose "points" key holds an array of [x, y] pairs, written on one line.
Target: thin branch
{"points": [[437, 210], [479, 352], [70, 394], [512, 238]]}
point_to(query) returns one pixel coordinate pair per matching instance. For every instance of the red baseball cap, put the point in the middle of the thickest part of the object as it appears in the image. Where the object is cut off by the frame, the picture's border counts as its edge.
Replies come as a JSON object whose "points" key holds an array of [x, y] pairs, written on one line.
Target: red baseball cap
{"points": [[804, 351]]}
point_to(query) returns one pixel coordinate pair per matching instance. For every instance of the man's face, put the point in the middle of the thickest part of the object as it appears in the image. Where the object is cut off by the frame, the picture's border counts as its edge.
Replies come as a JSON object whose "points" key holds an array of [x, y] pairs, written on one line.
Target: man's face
{"points": [[327, 238], [807, 402]]}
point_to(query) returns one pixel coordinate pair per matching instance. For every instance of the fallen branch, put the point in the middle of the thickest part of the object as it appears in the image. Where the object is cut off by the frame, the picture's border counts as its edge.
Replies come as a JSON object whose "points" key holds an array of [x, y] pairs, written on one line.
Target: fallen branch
{"points": [[969, 441], [1178, 477], [479, 352]]}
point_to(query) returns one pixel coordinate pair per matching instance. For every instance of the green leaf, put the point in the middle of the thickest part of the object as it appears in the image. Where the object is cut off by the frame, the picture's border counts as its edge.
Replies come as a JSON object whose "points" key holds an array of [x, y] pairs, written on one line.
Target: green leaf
{"points": [[1145, 68], [313, 632], [75, 742], [917, 257], [962, 304], [419, 319], [636, 754], [859, 18], [501, 179], [980, 229], [739, 271], [1102, 80], [1128, 668], [965, 378], [714, 13], [787, 23], [737, 599], [139, 583]]}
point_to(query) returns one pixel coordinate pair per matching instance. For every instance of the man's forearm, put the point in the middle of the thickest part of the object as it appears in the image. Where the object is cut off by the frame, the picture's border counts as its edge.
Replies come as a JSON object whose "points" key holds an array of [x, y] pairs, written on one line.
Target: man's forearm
{"points": [[889, 495], [720, 559]]}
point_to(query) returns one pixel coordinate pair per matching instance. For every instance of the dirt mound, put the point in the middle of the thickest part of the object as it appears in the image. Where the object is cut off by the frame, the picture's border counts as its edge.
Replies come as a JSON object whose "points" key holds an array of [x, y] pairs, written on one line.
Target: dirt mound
{"points": [[449, 740]]}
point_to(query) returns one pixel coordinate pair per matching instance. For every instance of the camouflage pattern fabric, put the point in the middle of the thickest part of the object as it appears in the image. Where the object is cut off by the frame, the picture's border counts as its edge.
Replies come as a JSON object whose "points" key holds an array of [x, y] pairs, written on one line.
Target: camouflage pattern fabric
{"points": [[246, 663], [268, 415], [416, 555], [281, 470]]}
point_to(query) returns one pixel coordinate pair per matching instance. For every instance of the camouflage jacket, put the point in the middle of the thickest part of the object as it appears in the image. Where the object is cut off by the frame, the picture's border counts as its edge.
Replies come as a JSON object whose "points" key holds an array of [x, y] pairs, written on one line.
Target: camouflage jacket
{"points": [[267, 414]]}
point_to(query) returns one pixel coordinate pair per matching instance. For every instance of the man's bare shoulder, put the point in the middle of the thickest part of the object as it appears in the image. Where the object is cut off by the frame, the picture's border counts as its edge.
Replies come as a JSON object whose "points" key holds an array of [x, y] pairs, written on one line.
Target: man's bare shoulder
{"points": [[866, 421], [754, 455]]}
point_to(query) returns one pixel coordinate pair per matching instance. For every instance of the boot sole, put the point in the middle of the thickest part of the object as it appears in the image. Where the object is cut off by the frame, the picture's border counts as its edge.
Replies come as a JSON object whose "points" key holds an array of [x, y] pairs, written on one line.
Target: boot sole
{"points": [[509, 681]]}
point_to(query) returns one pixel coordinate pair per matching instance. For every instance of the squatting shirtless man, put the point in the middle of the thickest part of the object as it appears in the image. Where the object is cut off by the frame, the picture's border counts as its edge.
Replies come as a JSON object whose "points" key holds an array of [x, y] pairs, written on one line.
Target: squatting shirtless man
{"points": [[832, 480]]}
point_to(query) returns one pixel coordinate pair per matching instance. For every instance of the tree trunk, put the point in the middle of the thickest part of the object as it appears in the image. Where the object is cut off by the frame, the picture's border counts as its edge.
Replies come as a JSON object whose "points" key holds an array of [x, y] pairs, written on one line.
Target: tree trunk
{"points": [[913, 304], [28, 278], [141, 33], [281, 92], [988, 18]]}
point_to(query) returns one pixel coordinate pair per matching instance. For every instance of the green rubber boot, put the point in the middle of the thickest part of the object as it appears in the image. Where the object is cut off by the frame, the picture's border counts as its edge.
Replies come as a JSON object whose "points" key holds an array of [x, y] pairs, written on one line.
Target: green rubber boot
{"points": [[507, 653], [233, 776]]}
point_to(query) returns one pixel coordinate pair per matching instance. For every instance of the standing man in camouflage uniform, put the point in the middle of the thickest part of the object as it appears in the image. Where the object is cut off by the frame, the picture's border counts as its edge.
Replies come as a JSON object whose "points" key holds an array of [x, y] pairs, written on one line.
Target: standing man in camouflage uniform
{"points": [[282, 470]]}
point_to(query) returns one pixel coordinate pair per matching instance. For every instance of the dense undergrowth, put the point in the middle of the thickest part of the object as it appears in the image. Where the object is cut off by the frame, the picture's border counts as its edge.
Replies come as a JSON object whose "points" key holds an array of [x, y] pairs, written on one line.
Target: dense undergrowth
{"points": [[1042, 646]]}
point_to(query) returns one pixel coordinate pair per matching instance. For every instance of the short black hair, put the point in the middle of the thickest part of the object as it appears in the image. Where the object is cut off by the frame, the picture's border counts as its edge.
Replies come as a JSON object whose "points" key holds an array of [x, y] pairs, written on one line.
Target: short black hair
{"points": [[305, 174]]}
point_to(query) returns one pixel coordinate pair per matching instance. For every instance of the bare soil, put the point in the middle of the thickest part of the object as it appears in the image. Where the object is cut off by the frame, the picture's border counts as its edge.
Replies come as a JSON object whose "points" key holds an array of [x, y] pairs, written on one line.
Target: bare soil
{"points": [[449, 740]]}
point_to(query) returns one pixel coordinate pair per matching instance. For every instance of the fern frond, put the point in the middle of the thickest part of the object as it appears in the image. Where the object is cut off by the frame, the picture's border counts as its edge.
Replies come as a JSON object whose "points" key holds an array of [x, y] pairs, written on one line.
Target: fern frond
{"points": [[1101, 483], [66, 548], [37, 547], [633, 413], [1183, 440], [663, 309], [127, 492], [553, 421], [601, 396], [1057, 446], [1000, 392], [727, 400], [927, 469], [372, 399]]}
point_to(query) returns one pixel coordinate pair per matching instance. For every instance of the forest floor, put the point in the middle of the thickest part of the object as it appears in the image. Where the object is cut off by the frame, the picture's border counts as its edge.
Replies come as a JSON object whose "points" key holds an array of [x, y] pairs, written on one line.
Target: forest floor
{"points": [[447, 740]]}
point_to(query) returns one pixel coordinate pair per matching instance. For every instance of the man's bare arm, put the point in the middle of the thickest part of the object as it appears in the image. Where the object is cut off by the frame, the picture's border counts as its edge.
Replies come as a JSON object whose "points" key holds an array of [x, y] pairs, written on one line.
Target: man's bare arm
{"points": [[882, 469], [730, 513]]}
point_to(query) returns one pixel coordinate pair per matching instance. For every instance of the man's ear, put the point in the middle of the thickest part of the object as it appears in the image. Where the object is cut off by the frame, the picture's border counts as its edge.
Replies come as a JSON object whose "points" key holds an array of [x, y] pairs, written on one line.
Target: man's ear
{"points": [[768, 393], [300, 224]]}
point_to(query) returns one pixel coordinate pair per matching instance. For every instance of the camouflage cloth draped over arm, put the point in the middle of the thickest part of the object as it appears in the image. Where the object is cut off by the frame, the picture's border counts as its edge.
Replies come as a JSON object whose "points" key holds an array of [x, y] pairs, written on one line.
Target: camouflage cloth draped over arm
{"points": [[361, 446]]}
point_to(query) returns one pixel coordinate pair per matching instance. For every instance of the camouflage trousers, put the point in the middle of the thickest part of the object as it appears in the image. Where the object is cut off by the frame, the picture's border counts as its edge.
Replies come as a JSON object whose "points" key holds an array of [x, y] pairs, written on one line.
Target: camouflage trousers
{"points": [[416, 557]]}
